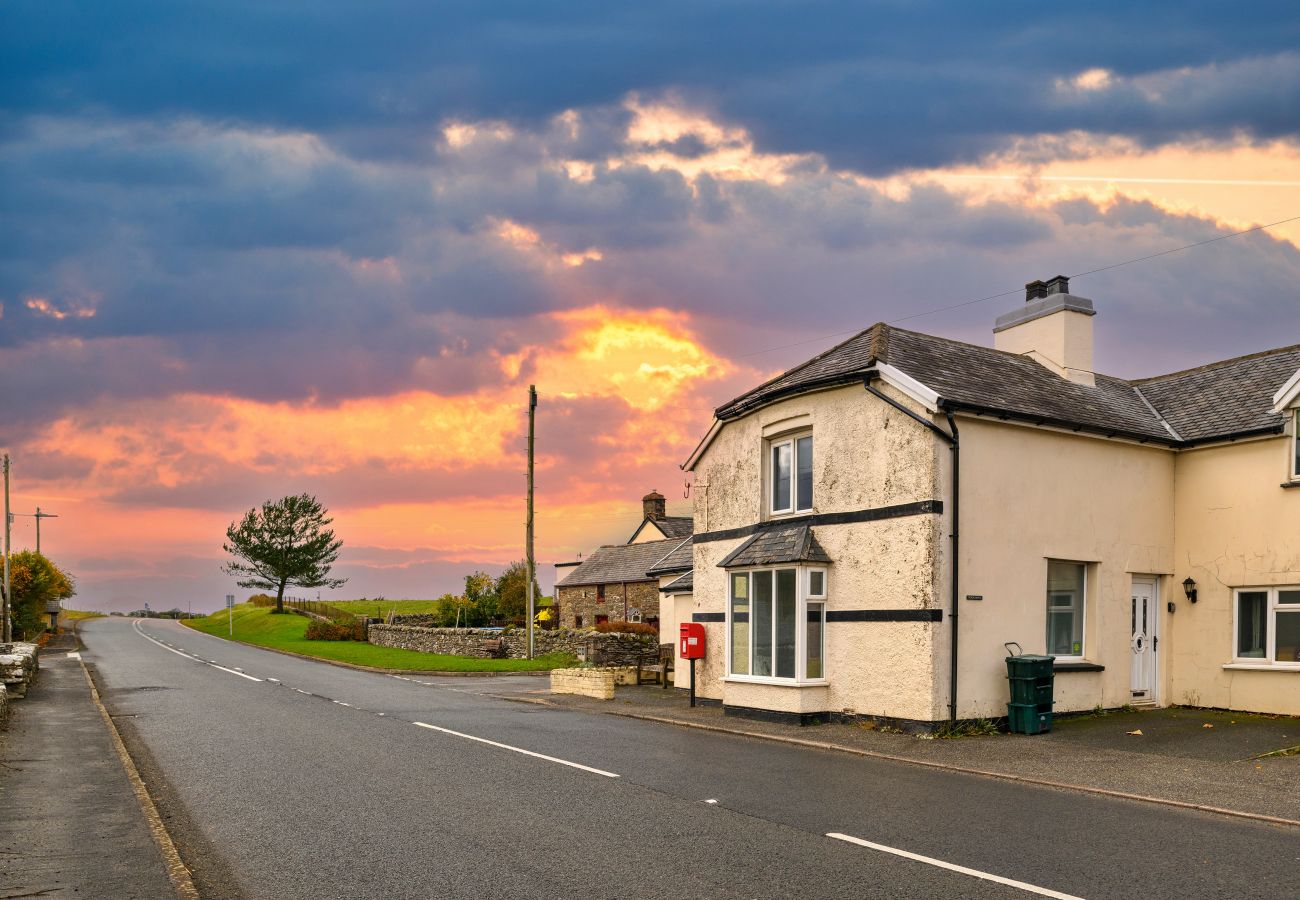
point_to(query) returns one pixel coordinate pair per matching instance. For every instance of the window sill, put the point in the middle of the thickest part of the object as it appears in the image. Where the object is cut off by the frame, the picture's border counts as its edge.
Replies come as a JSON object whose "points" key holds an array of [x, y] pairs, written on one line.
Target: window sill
{"points": [[1291, 484], [1078, 665], [1264, 667], [775, 682]]}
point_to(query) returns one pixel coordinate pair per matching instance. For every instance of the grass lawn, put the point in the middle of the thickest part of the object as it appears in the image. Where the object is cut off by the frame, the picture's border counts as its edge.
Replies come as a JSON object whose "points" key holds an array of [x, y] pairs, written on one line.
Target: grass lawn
{"points": [[285, 632], [73, 615], [381, 608]]}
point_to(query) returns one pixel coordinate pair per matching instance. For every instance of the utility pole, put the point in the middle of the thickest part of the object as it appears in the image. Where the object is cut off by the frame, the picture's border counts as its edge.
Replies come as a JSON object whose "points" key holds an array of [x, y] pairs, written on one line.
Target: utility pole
{"points": [[40, 515], [532, 420], [8, 628]]}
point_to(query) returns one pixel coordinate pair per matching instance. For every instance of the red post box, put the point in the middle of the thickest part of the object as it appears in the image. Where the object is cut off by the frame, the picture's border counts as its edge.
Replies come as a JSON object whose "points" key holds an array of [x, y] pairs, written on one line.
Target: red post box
{"points": [[692, 645]]}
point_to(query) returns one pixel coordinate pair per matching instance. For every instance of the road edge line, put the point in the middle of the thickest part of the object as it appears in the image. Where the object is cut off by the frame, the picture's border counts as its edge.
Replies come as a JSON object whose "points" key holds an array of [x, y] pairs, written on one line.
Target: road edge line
{"points": [[929, 764], [177, 871]]}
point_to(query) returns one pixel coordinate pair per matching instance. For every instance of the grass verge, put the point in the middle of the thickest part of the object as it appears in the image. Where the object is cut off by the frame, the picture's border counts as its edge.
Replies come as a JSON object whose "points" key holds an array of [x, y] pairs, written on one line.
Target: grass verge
{"points": [[261, 628]]}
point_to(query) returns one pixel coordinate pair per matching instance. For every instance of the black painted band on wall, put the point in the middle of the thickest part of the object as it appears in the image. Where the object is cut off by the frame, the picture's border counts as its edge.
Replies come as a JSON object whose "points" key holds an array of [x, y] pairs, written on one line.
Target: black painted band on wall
{"points": [[853, 615], [884, 615], [902, 510]]}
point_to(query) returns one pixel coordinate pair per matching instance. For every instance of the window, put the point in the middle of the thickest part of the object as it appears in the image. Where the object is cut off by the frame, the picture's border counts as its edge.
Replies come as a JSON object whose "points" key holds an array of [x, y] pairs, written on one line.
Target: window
{"points": [[791, 475], [634, 615], [600, 593], [1295, 445], [577, 621], [1066, 586], [1268, 625], [775, 630]]}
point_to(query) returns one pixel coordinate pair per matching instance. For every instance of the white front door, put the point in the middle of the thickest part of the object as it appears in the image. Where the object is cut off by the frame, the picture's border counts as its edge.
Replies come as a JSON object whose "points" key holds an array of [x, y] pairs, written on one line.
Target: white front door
{"points": [[1143, 641]]}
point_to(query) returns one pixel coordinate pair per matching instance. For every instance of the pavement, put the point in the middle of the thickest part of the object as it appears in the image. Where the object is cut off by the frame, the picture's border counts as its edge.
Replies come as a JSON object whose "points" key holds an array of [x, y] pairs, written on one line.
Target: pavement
{"points": [[71, 825], [1175, 758]]}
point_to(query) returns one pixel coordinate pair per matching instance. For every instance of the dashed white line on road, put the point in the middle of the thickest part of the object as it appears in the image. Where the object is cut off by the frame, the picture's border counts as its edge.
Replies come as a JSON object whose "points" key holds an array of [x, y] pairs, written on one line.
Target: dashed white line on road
{"points": [[563, 762], [136, 625], [952, 867]]}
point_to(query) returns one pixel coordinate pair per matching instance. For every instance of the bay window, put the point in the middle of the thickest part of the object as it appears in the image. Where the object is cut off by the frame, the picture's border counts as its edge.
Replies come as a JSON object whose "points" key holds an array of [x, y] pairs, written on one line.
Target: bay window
{"points": [[1066, 599], [790, 471], [777, 624], [1268, 626]]}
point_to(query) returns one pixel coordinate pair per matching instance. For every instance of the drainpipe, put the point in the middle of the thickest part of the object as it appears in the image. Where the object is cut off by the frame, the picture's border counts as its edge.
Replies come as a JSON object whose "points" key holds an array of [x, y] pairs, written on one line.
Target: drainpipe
{"points": [[954, 448], [952, 439]]}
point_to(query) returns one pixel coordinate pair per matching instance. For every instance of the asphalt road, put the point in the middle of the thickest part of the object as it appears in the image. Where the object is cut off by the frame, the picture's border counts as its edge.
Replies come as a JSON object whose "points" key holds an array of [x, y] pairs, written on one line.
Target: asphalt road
{"points": [[287, 778]]}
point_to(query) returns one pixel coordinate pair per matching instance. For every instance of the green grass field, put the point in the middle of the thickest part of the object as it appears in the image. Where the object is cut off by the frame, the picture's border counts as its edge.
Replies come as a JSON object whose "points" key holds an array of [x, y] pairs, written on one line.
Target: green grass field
{"points": [[72, 615], [381, 608], [285, 632]]}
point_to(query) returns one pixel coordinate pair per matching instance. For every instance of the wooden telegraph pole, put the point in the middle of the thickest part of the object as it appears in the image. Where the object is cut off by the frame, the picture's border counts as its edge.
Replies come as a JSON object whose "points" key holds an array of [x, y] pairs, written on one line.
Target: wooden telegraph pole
{"points": [[532, 420]]}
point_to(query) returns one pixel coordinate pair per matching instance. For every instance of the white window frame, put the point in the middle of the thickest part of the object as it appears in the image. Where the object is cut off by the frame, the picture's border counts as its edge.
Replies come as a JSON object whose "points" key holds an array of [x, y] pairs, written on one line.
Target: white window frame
{"points": [[769, 466], [802, 599], [1272, 610], [1293, 446], [1083, 624]]}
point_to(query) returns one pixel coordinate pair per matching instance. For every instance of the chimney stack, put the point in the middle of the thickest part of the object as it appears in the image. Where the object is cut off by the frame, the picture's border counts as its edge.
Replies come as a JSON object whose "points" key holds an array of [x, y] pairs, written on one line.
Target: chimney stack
{"points": [[655, 506], [1054, 328]]}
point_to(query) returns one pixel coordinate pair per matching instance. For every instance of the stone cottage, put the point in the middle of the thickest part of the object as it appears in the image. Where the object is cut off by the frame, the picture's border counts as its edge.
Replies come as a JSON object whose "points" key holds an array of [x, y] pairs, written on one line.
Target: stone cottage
{"points": [[613, 584]]}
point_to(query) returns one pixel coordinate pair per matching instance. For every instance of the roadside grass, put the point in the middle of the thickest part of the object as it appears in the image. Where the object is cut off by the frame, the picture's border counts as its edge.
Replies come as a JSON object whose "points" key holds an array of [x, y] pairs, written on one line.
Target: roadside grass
{"points": [[73, 615], [261, 628]]}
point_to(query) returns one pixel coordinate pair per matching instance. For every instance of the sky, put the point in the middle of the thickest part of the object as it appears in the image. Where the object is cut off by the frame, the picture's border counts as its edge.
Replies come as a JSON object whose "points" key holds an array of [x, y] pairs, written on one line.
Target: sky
{"points": [[253, 249]]}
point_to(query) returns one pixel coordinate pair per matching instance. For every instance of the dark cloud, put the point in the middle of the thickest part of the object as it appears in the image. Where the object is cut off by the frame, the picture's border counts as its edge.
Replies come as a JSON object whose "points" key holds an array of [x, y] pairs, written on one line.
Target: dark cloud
{"points": [[877, 86]]}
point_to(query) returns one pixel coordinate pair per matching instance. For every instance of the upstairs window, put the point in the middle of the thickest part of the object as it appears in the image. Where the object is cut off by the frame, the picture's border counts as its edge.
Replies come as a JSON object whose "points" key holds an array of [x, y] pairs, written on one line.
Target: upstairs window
{"points": [[1295, 446], [790, 466]]}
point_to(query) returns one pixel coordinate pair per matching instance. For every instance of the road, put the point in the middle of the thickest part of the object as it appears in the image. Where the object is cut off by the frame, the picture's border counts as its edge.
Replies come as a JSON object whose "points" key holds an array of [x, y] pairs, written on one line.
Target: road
{"points": [[287, 778]]}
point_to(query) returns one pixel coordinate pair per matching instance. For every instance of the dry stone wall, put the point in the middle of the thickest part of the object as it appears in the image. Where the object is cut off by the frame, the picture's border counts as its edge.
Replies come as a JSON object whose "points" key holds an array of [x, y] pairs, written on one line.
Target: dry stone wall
{"points": [[609, 648], [17, 669]]}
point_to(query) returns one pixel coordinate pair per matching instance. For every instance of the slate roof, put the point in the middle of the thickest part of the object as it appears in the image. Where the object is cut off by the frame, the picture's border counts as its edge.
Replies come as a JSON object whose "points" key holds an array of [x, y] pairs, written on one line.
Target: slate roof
{"points": [[1218, 400], [683, 585], [680, 559], [1230, 397], [772, 546], [676, 526], [617, 563]]}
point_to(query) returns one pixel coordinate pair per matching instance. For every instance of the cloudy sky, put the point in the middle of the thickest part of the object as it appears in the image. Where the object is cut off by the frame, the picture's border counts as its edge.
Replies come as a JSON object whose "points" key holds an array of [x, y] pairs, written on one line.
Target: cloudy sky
{"points": [[252, 249]]}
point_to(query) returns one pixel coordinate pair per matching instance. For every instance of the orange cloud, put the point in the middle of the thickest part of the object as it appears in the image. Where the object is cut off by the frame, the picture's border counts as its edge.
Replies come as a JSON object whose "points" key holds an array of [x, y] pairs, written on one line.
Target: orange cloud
{"points": [[642, 370], [71, 309]]}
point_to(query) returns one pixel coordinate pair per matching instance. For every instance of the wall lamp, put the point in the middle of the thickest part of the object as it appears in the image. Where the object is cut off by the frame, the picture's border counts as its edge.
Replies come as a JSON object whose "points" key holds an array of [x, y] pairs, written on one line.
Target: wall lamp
{"points": [[1189, 588]]}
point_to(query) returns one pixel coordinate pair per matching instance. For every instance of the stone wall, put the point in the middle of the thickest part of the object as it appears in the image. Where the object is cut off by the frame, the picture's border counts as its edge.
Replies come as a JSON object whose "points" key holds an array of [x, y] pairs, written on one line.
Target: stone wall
{"points": [[610, 648], [582, 601], [17, 669]]}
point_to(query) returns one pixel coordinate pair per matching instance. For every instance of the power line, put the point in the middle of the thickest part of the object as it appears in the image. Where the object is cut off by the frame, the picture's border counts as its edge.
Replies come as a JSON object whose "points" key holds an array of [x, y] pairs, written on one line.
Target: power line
{"points": [[1017, 290]]}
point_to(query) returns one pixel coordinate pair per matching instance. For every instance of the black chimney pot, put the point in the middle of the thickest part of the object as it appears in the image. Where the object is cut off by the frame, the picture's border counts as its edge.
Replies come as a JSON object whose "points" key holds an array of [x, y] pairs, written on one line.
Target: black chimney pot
{"points": [[1035, 290], [1058, 285]]}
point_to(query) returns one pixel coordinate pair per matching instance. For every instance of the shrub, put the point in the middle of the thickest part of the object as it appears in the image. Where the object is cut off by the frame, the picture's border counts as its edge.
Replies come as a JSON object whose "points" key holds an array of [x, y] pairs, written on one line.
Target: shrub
{"points": [[262, 600], [337, 630], [627, 628]]}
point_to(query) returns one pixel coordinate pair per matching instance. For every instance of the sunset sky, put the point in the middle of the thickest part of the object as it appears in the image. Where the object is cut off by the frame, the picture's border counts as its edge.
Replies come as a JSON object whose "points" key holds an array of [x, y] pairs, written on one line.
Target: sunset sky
{"points": [[252, 249]]}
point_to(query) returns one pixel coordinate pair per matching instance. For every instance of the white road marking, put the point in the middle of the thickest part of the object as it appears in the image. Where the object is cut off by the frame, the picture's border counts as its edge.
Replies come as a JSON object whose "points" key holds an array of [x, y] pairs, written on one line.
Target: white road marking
{"points": [[563, 762], [952, 867], [136, 626], [711, 802], [276, 680], [74, 655]]}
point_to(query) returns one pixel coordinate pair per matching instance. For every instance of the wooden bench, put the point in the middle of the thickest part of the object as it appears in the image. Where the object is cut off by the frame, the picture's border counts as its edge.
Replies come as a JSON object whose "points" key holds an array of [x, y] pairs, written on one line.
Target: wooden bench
{"points": [[660, 668], [495, 649]]}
